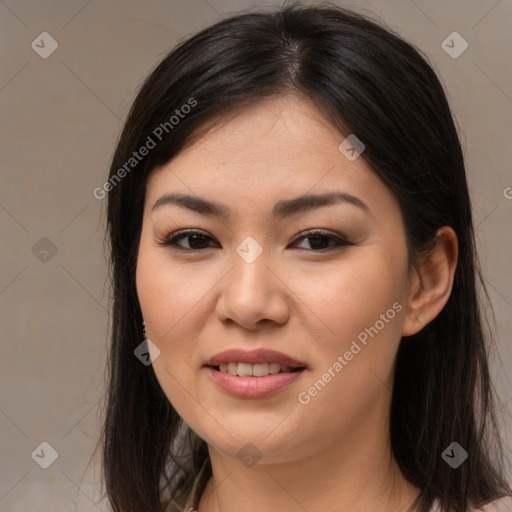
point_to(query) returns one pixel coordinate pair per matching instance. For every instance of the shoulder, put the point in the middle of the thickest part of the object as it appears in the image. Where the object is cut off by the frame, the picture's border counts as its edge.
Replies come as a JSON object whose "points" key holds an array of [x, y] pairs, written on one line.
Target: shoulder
{"points": [[499, 505]]}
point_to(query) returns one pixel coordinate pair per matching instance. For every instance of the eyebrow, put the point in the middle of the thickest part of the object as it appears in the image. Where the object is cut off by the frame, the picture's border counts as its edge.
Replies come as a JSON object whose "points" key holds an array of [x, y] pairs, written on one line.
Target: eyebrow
{"points": [[282, 209]]}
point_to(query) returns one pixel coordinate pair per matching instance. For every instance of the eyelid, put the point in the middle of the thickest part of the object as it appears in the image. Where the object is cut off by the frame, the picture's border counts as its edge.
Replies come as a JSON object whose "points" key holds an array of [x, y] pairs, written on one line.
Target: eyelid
{"points": [[320, 231]]}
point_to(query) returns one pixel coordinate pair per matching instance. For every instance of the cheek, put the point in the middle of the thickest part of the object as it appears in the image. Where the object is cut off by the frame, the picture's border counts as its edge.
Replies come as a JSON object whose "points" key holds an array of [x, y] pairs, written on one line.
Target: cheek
{"points": [[361, 306], [171, 298], [167, 301], [168, 293], [353, 294]]}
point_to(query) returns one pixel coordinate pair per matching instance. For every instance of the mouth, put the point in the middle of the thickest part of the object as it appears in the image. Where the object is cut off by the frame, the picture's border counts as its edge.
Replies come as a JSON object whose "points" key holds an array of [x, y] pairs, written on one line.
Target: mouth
{"points": [[256, 373], [262, 385], [259, 370], [257, 363]]}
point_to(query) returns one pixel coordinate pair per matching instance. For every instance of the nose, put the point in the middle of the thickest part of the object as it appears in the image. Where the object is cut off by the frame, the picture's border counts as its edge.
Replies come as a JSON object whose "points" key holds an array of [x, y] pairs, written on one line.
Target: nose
{"points": [[253, 294]]}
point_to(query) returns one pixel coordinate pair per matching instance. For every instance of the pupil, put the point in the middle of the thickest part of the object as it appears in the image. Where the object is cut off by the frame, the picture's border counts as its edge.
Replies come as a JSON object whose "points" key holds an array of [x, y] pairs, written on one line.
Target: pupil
{"points": [[195, 237], [316, 241]]}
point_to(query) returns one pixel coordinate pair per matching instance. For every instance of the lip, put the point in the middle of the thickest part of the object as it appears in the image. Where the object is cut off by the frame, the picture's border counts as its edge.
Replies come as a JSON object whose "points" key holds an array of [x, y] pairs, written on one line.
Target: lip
{"points": [[253, 387], [254, 357]]}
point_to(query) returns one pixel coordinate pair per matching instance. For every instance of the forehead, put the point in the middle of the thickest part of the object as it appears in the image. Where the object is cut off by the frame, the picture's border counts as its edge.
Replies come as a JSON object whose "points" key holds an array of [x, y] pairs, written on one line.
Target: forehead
{"points": [[277, 147]]}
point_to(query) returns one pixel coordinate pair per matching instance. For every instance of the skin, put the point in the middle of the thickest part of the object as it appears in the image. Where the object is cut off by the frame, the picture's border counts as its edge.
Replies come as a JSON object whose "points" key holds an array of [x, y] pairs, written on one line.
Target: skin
{"points": [[332, 453]]}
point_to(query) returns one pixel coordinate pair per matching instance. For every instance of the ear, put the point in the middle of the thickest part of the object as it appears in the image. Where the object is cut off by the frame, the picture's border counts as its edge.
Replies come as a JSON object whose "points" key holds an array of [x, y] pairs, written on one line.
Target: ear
{"points": [[431, 285]]}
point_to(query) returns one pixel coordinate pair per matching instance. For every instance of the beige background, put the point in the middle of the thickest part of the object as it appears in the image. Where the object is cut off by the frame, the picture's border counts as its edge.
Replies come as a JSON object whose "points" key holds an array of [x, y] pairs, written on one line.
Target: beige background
{"points": [[60, 120]]}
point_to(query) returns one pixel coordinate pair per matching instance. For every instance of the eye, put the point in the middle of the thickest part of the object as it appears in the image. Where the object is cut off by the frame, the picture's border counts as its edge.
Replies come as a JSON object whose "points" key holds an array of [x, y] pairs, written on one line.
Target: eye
{"points": [[198, 241], [318, 238]]}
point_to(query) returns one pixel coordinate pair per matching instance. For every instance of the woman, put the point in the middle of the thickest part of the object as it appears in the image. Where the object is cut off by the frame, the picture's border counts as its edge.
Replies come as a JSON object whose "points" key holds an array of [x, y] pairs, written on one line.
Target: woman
{"points": [[291, 235]]}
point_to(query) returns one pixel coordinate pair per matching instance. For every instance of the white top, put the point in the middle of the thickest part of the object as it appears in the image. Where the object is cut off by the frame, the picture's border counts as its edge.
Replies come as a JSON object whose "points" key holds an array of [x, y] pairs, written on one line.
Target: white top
{"points": [[501, 505]]}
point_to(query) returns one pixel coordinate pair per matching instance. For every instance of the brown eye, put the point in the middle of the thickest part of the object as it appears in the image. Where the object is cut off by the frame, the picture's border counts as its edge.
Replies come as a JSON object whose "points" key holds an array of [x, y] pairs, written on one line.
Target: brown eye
{"points": [[319, 241], [196, 240], [322, 241]]}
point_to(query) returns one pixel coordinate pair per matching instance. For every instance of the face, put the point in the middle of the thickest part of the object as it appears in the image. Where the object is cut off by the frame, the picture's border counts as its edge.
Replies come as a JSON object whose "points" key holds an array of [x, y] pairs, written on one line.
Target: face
{"points": [[322, 283]]}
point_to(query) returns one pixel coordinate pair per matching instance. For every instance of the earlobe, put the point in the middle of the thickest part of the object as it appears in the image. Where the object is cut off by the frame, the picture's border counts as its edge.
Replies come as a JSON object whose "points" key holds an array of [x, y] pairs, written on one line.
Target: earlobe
{"points": [[431, 286]]}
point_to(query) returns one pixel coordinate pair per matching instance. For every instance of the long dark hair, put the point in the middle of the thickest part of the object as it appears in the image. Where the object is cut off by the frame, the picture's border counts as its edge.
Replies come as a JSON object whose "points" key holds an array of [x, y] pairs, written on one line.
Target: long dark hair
{"points": [[366, 81]]}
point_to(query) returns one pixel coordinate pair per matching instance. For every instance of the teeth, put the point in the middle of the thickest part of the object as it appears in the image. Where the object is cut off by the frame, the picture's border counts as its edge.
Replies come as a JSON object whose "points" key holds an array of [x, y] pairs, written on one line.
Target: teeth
{"points": [[244, 370], [256, 370], [260, 370], [274, 368]]}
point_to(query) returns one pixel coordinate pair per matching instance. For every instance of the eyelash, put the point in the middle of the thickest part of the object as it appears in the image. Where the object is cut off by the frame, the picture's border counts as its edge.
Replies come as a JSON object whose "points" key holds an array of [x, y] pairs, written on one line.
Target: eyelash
{"points": [[170, 240]]}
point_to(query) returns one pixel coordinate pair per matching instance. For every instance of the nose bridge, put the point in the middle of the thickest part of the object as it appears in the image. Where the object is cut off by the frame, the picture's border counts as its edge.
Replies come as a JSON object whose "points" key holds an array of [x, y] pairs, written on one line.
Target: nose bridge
{"points": [[252, 292], [250, 275]]}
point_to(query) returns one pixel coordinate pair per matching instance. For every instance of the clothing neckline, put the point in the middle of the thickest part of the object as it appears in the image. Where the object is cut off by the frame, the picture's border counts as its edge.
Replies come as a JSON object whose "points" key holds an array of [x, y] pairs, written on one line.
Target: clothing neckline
{"points": [[198, 488], [205, 473]]}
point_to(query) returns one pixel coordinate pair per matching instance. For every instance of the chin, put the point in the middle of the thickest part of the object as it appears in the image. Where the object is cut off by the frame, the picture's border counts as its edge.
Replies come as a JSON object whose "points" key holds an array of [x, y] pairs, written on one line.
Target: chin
{"points": [[254, 445]]}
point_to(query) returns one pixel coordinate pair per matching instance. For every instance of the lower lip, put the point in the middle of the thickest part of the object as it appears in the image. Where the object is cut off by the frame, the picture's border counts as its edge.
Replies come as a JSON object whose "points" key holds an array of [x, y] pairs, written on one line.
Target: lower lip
{"points": [[253, 387]]}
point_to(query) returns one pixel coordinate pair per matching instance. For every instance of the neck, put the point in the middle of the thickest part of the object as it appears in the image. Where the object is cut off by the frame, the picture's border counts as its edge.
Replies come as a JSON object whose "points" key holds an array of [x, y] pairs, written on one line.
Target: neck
{"points": [[356, 474]]}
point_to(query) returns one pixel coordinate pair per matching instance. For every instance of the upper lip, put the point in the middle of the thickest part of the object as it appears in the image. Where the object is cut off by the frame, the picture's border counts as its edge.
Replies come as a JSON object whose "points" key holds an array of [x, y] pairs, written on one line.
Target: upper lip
{"points": [[260, 355]]}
